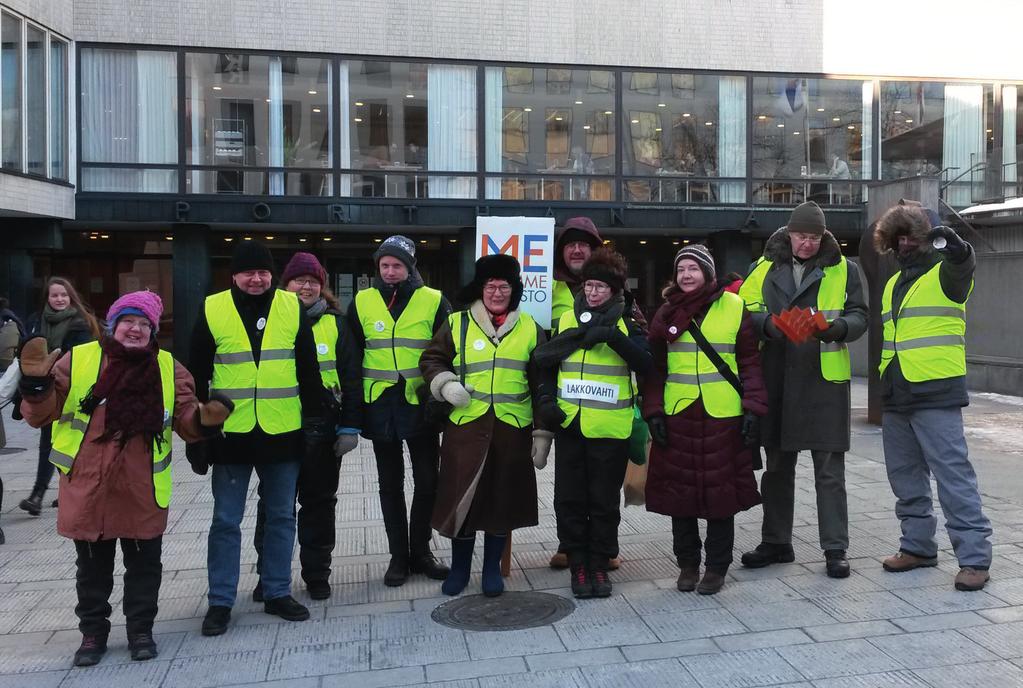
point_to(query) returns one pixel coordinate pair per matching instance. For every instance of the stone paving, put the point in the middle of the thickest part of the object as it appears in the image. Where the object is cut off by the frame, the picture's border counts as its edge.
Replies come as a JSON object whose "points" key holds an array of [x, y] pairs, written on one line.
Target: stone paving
{"points": [[784, 625]]}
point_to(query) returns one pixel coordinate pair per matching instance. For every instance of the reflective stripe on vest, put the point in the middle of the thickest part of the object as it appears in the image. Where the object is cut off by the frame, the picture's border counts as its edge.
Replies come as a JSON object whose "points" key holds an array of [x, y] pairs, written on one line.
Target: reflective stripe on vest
{"points": [[325, 333], [393, 349], [692, 375], [601, 365], [70, 428], [498, 373], [928, 333], [831, 295], [562, 301], [266, 394]]}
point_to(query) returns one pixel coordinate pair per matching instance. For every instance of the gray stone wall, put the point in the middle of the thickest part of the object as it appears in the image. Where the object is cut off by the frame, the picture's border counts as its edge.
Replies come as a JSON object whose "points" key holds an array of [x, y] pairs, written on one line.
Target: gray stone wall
{"points": [[38, 198], [56, 15]]}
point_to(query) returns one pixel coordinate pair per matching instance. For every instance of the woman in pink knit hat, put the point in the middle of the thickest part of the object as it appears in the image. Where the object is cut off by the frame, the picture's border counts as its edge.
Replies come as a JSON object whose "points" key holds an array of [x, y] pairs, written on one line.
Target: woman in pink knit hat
{"points": [[113, 405]]}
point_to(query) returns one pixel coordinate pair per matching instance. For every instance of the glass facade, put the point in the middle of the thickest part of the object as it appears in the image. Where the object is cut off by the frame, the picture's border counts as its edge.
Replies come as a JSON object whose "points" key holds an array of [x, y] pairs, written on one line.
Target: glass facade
{"points": [[58, 110], [276, 125], [10, 91]]}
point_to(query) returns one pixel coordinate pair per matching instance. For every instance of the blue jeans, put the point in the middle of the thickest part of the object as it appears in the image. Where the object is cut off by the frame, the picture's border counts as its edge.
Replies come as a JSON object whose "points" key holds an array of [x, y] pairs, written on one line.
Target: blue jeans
{"points": [[230, 488]]}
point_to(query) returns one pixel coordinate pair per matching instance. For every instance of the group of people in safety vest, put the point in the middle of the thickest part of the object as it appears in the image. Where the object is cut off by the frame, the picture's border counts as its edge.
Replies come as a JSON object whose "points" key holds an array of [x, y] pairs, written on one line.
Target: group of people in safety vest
{"points": [[281, 382]]}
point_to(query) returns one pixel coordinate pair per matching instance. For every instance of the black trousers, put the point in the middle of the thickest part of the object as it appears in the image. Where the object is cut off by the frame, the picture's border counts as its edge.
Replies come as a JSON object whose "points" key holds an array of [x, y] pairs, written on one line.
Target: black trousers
{"points": [[44, 469], [588, 476], [317, 501], [95, 580], [408, 535], [685, 533]]}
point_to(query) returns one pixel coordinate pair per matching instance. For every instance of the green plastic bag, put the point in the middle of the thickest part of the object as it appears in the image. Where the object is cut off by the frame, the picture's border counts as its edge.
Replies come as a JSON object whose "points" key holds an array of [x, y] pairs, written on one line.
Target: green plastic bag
{"points": [[639, 439]]}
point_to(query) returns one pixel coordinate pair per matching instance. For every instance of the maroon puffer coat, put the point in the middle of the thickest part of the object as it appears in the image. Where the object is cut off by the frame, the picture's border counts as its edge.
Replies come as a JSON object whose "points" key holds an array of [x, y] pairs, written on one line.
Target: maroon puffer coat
{"points": [[705, 471]]}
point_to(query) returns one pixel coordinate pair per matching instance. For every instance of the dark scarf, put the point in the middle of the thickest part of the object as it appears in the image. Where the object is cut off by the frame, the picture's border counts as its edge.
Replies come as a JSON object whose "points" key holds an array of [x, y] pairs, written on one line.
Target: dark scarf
{"points": [[679, 310], [317, 309], [567, 341], [54, 325], [130, 384]]}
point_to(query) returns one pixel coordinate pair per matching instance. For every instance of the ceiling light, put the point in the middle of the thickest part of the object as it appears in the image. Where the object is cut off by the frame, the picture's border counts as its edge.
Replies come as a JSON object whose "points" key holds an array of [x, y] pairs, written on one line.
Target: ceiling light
{"points": [[268, 100], [378, 240], [269, 237], [781, 126], [685, 114], [422, 241], [326, 238], [358, 103], [217, 88], [607, 241], [586, 126], [820, 109], [169, 238], [527, 109], [247, 238], [635, 121], [676, 243], [301, 240], [909, 121], [642, 241], [898, 112], [316, 109], [228, 239], [761, 117], [836, 119], [850, 127], [662, 105], [312, 93], [608, 112], [578, 102], [452, 241], [358, 119], [657, 129], [559, 119], [988, 131], [709, 124], [104, 236], [795, 133], [409, 95]]}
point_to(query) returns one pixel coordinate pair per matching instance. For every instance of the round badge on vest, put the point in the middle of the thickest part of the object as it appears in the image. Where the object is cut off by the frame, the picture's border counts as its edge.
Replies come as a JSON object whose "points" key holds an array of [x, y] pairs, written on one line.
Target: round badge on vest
{"points": [[672, 330], [478, 345], [585, 317], [322, 349], [379, 326], [260, 324]]}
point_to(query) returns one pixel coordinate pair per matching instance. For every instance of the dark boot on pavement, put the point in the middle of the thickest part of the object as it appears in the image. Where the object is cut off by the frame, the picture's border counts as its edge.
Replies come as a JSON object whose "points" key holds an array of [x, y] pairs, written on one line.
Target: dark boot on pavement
{"points": [[768, 553], [287, 607], [559, 561], [33, 504], [91, 650], [257, 592], [461, 564], [970, 579], [142, 646], [397, 572], [582, 584], [601, 582], [493, 548], [428, 565], [711, 583], [688, 576], [318, 589], [216, 621], [835, 563], [904, 561]]}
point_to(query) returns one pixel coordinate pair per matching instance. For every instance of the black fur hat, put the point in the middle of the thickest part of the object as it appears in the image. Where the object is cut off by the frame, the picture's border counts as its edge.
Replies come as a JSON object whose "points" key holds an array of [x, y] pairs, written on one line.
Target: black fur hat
{"points": [[607, 266], [497, 266]]}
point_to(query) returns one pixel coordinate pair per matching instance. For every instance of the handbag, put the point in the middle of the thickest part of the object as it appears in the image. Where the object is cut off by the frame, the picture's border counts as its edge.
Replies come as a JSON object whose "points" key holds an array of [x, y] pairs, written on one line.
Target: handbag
{"points": [[436, 411], [9, 382]]}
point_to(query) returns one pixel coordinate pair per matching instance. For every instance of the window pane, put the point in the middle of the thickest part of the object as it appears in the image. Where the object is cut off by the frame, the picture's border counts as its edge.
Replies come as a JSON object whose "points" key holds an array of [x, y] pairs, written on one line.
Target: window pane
{"points": [[306, 110], [58, 109], [805, 128], [129, 106], [387, 108], [228, 110], [35, 111], [10, 96], [128, 180]]}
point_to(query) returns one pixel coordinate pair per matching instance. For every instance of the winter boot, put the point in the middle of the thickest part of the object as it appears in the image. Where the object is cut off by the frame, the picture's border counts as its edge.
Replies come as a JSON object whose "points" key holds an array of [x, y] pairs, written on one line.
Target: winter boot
{"points": [[582, 585], [33, 504], [142, 646], [461, 563], [91, 650], [493, 548], [688, 576], [768, 553], [601, 582], [836, 564], [428, 565], [711, 582]]}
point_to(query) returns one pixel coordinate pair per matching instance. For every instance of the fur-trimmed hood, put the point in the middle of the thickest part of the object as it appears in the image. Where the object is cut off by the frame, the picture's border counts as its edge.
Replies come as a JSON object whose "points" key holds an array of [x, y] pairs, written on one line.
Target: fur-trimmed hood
{"points": [[902, 219], [778, 250]]}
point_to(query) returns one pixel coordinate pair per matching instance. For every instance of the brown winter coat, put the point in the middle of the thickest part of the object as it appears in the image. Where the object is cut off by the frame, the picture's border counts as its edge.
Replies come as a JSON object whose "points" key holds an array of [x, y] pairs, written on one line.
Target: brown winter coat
{"points": [[109, 493], [705, 471], [487, 480]]}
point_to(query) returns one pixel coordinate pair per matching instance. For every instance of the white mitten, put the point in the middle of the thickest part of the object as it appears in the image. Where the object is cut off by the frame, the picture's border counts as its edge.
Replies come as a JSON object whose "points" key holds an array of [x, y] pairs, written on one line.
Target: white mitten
{"points": [[456, 394], [541, 447]]}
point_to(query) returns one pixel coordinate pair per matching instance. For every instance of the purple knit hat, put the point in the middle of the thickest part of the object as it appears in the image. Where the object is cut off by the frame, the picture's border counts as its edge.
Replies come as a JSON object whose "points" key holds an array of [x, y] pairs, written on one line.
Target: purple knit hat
{"points": [[303, 263], [145, 303]]}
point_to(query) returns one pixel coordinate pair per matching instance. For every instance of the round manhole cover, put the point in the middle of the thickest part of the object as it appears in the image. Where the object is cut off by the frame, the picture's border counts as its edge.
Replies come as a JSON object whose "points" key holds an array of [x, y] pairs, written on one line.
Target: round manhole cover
{"points": [[511, 611]]}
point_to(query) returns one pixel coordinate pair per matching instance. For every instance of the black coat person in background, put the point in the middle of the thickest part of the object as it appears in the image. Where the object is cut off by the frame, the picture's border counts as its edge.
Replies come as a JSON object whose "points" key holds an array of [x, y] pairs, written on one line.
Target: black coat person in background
{"points": [[396, 319]]}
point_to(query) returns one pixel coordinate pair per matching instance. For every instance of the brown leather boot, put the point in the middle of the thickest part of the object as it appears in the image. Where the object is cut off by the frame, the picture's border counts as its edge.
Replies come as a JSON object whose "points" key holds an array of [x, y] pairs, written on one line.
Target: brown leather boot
{"points": [[711, 583], [688, 576], [559, 561], [970, 579], [904, 561]]}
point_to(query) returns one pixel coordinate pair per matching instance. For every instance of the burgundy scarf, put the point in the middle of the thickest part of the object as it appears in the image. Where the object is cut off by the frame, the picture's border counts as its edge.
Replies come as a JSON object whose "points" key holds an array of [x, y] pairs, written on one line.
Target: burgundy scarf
{"points": [[130, 384], [680, 309]]}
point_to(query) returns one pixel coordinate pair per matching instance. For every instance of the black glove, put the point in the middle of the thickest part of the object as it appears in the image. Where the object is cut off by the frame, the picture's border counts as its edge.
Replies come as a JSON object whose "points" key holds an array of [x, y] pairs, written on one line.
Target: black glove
{"points": [[550, 413], [836, 331], [317, 431], [957, 249], [750, 429], [598, 334], [658, 430], [197, 454], [771, 330]]}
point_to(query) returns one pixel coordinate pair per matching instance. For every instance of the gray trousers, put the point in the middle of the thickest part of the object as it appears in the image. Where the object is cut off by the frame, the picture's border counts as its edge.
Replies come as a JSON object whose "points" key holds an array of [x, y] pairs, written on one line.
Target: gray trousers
{"points": [[931, 442], [778, 488]]}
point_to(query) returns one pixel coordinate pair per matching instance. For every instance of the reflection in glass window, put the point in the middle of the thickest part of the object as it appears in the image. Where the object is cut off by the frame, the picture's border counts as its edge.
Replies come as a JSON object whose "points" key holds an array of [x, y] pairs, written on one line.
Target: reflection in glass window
{"points": [[933, 128], [1012, 139], [684, 125], [10, 91], [549, 122], [58, 109], [129, 110], [35, 100]]}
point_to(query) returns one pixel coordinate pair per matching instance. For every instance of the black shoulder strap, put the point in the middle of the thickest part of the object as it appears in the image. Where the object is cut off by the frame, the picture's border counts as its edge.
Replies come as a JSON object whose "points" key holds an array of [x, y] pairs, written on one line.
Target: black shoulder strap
{"points": [[710, 352], [464, 329]]}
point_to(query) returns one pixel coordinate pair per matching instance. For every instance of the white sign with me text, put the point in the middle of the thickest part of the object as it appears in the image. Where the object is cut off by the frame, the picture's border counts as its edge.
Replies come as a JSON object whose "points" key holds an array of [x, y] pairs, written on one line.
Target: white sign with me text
{"points": [[589, 390]]}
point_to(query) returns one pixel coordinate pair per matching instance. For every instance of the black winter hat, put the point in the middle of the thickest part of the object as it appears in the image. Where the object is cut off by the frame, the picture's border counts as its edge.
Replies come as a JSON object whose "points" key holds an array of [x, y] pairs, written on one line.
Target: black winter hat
{"points": [[497, 266], [807, 218], [400, 247], [607, 266], [251, 255]]}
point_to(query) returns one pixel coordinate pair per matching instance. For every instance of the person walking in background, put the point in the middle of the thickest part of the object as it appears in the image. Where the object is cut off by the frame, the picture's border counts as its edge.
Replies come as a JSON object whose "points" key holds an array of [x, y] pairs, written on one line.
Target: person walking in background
{"points": [[393, 322], [594, 354], [923, 390], [113, 405], [808, 393], [487, 481], [341, 373], [254, 344], [703, 421], [65, 322], [11, 333]]}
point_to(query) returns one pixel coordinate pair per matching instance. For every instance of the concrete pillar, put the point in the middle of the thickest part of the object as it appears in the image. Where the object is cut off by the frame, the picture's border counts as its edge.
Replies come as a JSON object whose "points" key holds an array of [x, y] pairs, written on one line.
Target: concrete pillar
{"points": [[733, 251], [16, 275], [191, 266]]}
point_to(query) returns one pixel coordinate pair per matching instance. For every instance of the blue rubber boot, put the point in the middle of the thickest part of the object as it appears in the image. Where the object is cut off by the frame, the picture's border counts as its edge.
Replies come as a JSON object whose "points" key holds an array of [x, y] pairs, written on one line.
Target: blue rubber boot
{"points": [[493, 548], [461, 563]]}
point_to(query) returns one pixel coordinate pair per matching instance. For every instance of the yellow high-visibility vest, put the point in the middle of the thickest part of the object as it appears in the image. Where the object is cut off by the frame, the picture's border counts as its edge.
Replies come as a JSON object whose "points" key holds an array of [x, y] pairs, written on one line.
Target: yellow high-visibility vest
{"points": [[562, 301], [393, 348], [325, 333], [266, 394], [928, 333], [692, 375], [69, 430], [498, 373]]}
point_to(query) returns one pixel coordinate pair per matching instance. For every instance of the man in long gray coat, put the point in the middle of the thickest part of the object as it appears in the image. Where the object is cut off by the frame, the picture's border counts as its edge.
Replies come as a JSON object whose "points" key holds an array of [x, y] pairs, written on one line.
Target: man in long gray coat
{"points": [[807, 384]]}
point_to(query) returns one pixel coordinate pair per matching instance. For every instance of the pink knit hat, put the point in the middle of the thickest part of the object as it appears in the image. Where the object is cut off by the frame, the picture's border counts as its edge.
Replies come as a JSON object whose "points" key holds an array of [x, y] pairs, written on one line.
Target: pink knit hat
{"points": [[303, 263], [145, 303]]}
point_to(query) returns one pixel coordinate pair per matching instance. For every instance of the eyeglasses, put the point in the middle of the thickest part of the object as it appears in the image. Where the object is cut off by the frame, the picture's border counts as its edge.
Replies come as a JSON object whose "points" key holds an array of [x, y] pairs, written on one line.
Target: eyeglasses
{"points": [[808, 238], [596, 287], [143, 325], [305, 282], [497, 289]]}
